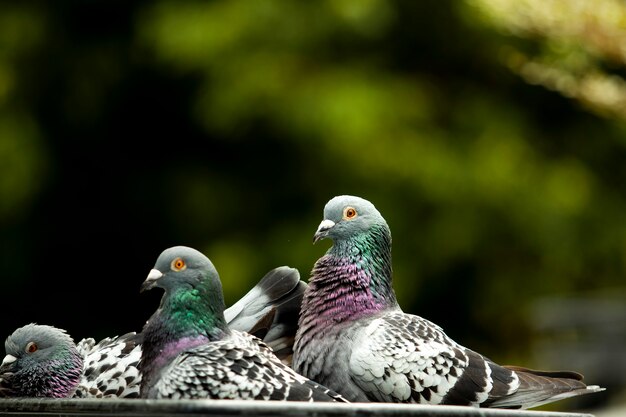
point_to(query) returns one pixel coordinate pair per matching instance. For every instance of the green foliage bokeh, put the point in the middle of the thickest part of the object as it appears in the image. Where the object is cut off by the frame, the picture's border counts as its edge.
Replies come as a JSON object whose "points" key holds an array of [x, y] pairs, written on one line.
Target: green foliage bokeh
{"points": [[497, 191]]}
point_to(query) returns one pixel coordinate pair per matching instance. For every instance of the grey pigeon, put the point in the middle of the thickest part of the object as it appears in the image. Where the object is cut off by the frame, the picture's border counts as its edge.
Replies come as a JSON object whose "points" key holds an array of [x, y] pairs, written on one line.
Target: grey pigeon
{"points": [[190, 352], [43, 361], [354, 338]]}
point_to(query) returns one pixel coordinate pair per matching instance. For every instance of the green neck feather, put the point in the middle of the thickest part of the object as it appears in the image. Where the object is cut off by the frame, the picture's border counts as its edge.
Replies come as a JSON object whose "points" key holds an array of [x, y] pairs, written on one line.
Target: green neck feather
{"points": [[192, 311], [370, 253]]}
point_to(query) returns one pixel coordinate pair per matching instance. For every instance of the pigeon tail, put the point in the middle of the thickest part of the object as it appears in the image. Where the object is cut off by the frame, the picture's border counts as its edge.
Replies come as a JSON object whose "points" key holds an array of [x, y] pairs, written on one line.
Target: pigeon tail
{"points": [[270, 310], [541, 387]]}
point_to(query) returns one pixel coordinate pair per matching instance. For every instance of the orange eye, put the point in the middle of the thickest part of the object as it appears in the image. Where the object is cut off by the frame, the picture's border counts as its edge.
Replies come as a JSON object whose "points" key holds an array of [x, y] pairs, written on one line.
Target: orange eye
{"points": [[178, 264], [31, 347], [349, 213]]}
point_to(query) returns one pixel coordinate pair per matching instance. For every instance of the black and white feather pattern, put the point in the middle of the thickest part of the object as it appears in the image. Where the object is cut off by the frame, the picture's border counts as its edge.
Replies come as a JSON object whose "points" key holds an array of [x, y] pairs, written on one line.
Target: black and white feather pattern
{"points": [[390, 364], [110, 367], [393, 365], [240, 366]]}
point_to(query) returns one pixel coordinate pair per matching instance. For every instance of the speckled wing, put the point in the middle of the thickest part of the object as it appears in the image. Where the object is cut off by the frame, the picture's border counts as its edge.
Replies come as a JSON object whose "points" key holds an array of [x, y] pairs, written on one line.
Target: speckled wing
{"points": [[404, 358], [238, 367], [110, 367]]}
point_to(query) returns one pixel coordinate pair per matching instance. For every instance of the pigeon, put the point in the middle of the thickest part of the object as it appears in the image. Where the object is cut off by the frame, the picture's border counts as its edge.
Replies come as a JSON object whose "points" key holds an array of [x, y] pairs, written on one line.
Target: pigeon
{"points": [[189, 352], [43, 361], [354, 338]]}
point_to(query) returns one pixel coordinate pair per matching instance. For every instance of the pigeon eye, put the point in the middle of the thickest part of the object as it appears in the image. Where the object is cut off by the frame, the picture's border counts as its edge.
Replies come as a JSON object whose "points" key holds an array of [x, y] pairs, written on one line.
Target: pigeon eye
{"points": [[349, 213], [178, 264], [31, 347]]}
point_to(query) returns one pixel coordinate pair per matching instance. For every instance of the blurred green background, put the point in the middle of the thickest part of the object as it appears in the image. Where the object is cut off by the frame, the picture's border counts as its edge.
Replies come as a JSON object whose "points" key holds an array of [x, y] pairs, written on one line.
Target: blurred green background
{"points": [[491, 135]]}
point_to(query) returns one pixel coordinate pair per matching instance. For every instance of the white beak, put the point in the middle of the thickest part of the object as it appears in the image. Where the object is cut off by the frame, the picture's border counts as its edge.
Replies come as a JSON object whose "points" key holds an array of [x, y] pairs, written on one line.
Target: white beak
{"points": [[8, 359], [154, 275], [322, 230], [325, 225]]}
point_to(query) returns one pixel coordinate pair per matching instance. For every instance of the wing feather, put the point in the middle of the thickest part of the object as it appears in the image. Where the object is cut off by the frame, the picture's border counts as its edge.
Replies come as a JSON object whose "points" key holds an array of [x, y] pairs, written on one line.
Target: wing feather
{"points": [[241, 367], [405, 358]]}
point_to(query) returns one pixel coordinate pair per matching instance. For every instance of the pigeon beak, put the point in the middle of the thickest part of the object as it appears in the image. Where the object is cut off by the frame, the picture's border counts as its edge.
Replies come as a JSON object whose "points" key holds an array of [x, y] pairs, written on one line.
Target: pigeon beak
{"points": [[7, 363], [322, 230], [151, 280]]}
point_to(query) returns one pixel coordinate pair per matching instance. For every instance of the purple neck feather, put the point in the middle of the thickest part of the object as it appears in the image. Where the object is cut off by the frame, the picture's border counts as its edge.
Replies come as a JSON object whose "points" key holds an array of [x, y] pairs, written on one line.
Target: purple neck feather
{"points": [[174, 347], [352, 281], [57, 378], [342, 291]]}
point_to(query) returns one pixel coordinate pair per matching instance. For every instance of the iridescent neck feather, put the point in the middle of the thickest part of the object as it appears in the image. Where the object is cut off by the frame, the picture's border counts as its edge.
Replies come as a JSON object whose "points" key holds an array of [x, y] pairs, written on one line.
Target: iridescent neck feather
{"points": [[353, 280], [57, 377]]}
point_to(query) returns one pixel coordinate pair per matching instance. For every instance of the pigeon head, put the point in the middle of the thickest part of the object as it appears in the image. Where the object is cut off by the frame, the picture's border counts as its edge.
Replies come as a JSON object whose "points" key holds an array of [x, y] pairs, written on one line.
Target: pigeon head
{"points": [[181, 267], [40, 361], [346, 217]]}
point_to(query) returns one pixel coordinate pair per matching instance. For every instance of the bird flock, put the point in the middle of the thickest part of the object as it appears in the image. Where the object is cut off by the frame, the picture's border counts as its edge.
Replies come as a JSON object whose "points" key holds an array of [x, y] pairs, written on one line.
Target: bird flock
{"points": [[342, 337]]}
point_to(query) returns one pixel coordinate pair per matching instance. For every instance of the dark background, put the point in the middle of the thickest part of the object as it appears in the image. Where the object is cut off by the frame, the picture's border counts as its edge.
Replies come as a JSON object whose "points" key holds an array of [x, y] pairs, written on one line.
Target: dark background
{"points": [[492, 142]]}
